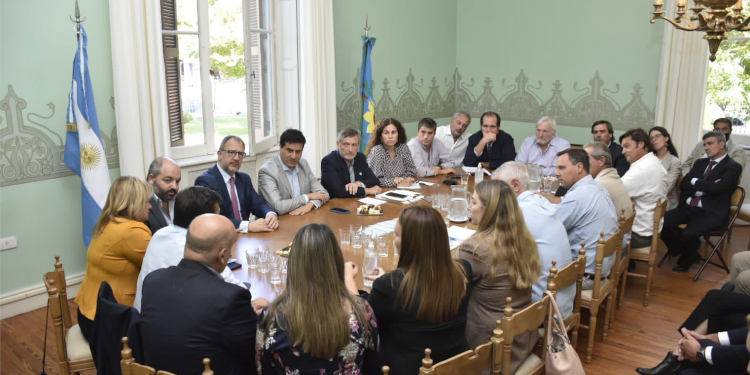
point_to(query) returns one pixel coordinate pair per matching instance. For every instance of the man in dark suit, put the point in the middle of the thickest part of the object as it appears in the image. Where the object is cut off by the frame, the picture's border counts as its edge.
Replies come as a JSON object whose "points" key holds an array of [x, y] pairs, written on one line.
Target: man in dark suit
{"points": [[189, 312], [705, 194], [164, 175], [344, 172], [490, 146], [604, 132], [238, 197]]}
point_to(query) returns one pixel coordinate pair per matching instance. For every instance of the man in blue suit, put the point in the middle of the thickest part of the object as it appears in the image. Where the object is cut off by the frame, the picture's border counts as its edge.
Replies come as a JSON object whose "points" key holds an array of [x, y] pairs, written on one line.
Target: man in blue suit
{"points": [[344, 172], [238, 197]]}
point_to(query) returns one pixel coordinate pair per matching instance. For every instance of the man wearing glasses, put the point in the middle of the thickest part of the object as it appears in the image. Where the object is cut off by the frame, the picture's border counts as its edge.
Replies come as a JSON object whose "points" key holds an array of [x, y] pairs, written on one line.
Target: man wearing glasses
{"points": [[238, 197]]}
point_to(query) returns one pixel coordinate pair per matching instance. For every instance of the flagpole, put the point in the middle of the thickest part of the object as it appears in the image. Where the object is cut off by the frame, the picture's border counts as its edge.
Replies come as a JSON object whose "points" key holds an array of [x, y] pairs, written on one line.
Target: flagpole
{"points": [[78, 20]]}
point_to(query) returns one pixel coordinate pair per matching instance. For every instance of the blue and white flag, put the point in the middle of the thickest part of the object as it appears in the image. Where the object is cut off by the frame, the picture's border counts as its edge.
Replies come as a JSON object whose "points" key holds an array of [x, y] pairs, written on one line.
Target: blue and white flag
{"points": [[84, 153], [365, 91]]}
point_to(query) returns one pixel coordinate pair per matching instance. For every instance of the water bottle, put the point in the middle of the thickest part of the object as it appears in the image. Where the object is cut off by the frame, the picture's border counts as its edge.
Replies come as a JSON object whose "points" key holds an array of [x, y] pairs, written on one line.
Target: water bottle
{"points": [[479, 175], [370, 266]]}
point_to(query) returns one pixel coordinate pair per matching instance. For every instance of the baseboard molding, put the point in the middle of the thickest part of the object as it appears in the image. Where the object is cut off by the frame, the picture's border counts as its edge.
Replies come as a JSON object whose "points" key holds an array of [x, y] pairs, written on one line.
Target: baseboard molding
{"points": [[34, 297]]}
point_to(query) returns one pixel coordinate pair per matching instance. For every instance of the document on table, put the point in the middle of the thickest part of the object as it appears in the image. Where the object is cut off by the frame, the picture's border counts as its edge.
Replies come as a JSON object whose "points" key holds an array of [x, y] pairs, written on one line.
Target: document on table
{"points": [[457, 234], [414, 186], [383, 227], [473, 170], [427, 183], [372, 201]]}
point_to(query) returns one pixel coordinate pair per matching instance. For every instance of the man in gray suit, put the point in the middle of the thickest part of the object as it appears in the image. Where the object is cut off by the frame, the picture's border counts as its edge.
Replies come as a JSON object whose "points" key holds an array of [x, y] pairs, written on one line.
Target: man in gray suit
{"points": [[286, 182]]}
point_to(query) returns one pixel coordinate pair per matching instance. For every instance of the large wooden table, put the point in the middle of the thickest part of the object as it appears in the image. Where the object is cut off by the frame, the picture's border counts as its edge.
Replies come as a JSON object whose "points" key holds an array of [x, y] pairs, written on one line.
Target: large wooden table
{"points": [[289, 225]]}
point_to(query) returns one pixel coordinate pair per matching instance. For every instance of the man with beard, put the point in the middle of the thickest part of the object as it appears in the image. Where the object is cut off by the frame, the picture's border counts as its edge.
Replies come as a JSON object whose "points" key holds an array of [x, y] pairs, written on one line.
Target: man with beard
{"points": [[164, 175], [454, 137], [542, 149]]}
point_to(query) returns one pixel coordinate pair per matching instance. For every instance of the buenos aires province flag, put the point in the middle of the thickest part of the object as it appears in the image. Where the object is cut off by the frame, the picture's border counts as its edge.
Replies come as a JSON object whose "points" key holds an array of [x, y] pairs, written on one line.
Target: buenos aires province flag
{"points": [[365, 91], [84, 153]]}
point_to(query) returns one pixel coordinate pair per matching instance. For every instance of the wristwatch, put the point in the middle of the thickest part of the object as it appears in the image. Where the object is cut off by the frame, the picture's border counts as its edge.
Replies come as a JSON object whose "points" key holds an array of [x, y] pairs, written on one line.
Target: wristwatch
{"points": [[700, 355]]}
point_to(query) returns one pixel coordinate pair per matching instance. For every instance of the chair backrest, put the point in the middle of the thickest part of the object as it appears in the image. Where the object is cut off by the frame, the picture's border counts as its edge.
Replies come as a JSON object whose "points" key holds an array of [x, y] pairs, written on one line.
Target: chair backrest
{"points": [[129, 366], [59, 311], [483, 357], [57, 277], [569, 275], [625, 223], [514, 324], [738, 197], [606, 248], [659, 211]]}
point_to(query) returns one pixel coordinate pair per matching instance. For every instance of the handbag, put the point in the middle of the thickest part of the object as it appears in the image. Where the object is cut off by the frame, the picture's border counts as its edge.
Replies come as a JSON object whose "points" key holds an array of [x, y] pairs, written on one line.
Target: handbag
{"points": [[561, 357]]}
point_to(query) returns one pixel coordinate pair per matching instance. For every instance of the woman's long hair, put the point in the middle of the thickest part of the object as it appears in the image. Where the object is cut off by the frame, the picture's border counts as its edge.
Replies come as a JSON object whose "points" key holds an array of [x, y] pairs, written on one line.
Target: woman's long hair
{"points": [[503, 231], [126, 198], [376, 137], [665, 133], [433, 281], [316, 303]]}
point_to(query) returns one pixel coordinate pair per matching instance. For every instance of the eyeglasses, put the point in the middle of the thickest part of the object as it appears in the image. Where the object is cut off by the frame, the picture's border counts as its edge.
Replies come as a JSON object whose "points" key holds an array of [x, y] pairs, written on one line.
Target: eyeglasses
{"points": [[233, 153]]}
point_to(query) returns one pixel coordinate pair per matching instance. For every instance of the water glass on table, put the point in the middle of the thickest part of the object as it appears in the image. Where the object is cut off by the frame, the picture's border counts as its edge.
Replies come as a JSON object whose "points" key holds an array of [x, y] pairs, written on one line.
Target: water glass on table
{"points": [[263, 259], [252, 259], [357, 236], [369, 267], [345, 236], [275, 268], [464, 179], [382, 246]]}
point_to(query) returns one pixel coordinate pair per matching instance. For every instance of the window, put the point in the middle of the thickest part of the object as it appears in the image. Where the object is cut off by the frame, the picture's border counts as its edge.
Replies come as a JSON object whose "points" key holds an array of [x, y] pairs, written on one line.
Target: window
{"points": [[728, 85], [230, 68]]}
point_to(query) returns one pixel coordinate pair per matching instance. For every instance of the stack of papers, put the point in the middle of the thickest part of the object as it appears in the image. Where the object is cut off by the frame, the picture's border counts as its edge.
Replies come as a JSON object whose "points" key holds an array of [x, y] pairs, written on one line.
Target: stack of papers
{"points": [[381, 228], [457, 234]]}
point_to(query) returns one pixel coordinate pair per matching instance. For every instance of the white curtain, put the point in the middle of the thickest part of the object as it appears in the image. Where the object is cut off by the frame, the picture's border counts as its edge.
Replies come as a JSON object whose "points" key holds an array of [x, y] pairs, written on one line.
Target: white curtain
{"points": [[140, 105], [317, 80], [682, 83]]}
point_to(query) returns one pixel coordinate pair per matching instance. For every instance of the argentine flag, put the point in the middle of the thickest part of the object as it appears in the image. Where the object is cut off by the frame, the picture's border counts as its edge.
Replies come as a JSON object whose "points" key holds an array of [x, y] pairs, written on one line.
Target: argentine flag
{"points": [[84, 153]]}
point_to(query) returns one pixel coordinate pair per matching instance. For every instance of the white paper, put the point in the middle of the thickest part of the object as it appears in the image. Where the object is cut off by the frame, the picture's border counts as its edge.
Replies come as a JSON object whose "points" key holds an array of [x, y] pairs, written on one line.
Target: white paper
{"points": [[457, 235], [426, 183], [414, 186], [470, 169], [372, 201], [383, 227]]}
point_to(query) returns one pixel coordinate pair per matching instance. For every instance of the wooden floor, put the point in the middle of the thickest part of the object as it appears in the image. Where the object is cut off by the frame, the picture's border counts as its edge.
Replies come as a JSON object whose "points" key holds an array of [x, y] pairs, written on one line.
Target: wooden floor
{"points": [[640, 337]]}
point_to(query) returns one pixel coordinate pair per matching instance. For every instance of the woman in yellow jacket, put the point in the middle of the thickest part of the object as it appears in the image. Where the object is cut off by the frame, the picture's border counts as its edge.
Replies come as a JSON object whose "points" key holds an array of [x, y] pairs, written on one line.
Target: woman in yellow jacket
{"points": [[117, 248]]}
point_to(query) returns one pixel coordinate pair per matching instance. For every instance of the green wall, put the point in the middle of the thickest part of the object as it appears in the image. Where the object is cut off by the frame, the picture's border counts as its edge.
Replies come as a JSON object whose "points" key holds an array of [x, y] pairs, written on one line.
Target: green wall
{"points": [[522, 61], [44, 212]]}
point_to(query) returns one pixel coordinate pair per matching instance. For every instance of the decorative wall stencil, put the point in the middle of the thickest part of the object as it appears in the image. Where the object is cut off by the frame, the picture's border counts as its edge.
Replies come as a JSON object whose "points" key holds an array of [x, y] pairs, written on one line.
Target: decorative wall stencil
{"points": [[34, 153], [521, 101]]}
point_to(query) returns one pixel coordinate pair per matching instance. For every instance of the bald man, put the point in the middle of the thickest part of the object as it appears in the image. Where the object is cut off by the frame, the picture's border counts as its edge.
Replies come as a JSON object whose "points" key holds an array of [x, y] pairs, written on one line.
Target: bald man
{"points": [[175, 298]]}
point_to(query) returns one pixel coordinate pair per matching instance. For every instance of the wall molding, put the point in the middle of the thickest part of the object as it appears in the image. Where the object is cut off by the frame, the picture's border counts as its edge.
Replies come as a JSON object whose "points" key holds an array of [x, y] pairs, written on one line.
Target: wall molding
{"points": [[33, 297], [30, 153], [519, 99]]}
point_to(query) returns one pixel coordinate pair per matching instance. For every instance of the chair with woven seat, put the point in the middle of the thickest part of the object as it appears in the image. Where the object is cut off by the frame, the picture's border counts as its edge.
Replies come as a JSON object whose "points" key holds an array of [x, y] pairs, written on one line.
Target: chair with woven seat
{"points": [[572, 274], [514, 324], [483, 357], [604, 289], [73, 352], [648, 254]]}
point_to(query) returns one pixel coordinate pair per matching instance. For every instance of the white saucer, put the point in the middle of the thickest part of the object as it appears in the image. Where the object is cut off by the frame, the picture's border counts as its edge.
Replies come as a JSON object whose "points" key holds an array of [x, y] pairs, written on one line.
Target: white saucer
{"points": [[461, 220]]}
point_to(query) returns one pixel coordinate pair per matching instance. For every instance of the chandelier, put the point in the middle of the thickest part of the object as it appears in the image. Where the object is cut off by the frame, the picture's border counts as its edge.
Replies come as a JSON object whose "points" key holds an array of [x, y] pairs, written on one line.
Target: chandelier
{"points": [[715, 17]]}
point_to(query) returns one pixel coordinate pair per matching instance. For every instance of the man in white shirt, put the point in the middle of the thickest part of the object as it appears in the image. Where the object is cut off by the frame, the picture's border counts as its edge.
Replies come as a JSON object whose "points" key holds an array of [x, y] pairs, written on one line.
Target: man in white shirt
{"points": [[167, 245], [644, 181], [542, 149], [430, 158], [164, 175], [454, 137]]}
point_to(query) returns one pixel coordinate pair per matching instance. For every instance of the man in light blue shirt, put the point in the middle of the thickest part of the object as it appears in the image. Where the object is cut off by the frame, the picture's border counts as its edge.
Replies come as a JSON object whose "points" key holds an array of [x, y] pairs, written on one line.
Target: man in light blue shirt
{"points": [[431, 158], [586, 210], [549, 233], [542, 149]]}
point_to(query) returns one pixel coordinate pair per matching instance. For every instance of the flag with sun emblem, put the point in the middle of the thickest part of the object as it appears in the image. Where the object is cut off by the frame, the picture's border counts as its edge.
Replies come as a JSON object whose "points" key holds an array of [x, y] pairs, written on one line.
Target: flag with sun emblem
{"points": [[365, 91], [84, 153]]}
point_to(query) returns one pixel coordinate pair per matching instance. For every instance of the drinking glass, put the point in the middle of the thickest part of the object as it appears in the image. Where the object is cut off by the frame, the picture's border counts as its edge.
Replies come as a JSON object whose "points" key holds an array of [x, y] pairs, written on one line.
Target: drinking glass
{"points": [[345, 235], [284, 266], [382, 246], [252, 259], [445, 201], [357, 240], [369, 267], [275, 268], [535, 176], [465, 179], [263, 259], [436, 202]]}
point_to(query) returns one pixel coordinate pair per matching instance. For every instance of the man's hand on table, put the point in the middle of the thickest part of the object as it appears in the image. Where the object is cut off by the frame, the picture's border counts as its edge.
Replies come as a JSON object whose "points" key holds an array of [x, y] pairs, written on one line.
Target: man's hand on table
{"points": [[318, 195], [373, 190], [303, 209], [268, 224]]}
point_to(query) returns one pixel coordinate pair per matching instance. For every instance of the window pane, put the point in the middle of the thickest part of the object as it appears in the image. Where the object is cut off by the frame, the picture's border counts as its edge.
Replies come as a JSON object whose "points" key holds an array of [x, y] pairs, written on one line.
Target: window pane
{"points": [[190, 90], [187, 15], [260, 86], [728, 84], [228, 70]]}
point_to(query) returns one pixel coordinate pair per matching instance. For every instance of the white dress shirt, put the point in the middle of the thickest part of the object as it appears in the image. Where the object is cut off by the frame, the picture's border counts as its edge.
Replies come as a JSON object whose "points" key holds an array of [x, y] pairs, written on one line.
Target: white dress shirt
{"points": [[531, 153], [244, 223], [166, 249], [644, 182], [457, 148], [424, 160]]}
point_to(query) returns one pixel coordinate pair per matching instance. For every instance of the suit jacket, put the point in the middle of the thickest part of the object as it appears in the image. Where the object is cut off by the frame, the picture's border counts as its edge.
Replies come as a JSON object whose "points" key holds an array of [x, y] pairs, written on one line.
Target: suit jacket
{"points": [[335, 175], [733, 357], [502, 150], [113, 321], [275, 188], [619, 161], [156, 218], [250, 201], [189, 313], [717, 196]]}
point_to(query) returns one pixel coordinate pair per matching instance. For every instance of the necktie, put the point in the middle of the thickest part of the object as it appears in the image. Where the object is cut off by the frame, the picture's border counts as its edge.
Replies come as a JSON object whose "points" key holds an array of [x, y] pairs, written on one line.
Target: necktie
{"points": [[235, 201], [694, 202]]}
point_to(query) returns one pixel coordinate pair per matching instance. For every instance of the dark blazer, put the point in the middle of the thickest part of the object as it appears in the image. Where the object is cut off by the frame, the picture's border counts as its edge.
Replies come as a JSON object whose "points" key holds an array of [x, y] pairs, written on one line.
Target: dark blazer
{"points": [[156, 219], [250, 201], [619, 161], [717, 196], [112, 322], [189, 313], [727, 359], [502, 150], [335, 175]]}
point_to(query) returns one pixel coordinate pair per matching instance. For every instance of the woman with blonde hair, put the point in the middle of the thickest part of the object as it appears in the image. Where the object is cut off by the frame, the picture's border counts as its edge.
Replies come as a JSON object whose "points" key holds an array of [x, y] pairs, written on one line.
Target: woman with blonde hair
{"points": [[116, 252], [388, 155], [422, 303], [316, 326], [504, 261]]}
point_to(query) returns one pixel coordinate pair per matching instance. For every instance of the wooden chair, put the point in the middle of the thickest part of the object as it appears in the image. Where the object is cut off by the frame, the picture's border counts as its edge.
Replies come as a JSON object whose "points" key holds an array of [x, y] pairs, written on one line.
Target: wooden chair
{"points": [[604, 289], [73, 352], [129, 366], [485, 356], [572, 274], [626, 226], [512, 325], [648, 254]]}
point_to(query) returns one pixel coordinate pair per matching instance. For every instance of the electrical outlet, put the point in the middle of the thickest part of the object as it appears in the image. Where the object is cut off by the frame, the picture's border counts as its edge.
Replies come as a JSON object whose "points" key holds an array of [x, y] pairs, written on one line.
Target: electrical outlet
{"points": [[8, 243]]}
